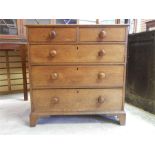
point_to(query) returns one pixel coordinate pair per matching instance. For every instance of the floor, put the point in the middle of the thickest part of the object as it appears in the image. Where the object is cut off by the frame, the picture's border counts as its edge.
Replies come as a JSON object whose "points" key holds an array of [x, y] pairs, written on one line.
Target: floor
{"points": [[14, 119]]}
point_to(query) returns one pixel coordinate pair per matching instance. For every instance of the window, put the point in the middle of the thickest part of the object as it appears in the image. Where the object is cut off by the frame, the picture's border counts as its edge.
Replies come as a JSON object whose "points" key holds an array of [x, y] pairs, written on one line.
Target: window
{"points": [[12, 29], [87, 21], [107, 21], [8, 27], [37, 21], [66, 21]]}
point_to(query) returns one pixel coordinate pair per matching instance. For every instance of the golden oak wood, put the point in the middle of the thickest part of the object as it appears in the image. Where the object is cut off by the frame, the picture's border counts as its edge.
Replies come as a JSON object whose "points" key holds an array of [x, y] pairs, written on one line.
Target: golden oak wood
{"points": [[50, 54], [77, 76], [122, 118], [60, 100], [52, 34], [102, 34], [78, 26], [77, 69]]}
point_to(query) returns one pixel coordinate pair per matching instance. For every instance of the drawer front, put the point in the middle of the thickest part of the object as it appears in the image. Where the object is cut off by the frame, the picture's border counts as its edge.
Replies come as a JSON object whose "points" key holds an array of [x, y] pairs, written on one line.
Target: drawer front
{"points": [[74, 100], [77, 53], [53, 53], [77, 76], [103, 34], [52, 34]]}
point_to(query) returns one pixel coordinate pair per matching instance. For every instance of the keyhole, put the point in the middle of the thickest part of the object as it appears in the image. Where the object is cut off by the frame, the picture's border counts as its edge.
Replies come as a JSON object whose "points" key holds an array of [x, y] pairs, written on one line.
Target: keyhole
{"points": [[77, 47], [77, 91], [77, 68]]}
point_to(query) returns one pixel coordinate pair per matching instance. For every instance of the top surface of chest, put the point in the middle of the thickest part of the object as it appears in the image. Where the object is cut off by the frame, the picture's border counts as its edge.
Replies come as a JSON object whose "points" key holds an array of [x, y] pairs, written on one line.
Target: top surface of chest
{"points": [[76, 33]]}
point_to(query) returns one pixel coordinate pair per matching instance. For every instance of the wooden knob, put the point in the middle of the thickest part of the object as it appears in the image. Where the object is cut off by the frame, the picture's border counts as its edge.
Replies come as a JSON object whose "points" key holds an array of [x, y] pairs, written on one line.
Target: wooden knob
{"points": [[53, 53], [102, 34], [101, 99], [101, 75], [55, 100], [101, 53], [54, 76], [52, 34]]}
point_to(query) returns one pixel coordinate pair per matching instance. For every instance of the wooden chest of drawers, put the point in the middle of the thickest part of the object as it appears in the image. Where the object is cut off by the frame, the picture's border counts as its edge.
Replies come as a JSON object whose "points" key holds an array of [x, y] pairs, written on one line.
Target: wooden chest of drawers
{"points": [[77, 69]]}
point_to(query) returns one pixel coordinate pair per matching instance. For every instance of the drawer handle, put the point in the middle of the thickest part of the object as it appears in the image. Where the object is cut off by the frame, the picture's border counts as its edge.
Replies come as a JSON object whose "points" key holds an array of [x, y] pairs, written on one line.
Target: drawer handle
{"points": [[101, 53], [55, 100], [52, 34], [102, 34], [101, 99], [53, 53], [101, 75], [54, 76]]}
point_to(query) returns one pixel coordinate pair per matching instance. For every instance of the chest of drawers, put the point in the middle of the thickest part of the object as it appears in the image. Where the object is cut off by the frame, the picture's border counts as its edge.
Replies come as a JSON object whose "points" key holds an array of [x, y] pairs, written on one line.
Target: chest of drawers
{"points": [[77, 69]]}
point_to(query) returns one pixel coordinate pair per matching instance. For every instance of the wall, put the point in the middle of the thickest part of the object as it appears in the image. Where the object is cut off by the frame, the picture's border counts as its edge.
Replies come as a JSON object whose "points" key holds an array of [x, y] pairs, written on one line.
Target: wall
{"points": [[143, 24]]}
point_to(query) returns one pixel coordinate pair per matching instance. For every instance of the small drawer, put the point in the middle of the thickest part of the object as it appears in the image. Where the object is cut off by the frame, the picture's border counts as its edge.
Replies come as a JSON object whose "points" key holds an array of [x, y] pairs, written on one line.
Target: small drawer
{"points": [[52, 34], [77, 76], [77, 100], [102, 34], [107, 53], [49, 54]]}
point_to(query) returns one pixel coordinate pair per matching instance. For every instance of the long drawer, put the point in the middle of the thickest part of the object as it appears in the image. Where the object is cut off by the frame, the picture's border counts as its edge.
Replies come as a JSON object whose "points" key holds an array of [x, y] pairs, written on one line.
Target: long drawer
{"points": [[49, 54], [74, 100], [77, 76]]}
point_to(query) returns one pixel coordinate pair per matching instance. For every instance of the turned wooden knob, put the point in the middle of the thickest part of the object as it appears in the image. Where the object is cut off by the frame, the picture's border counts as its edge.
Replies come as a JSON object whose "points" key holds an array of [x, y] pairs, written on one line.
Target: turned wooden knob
{"points": [[52, 34], [54, 76], [53, 53], [102, 34], [55, 100], [101, 75], [101, 99], [101, 53]]}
